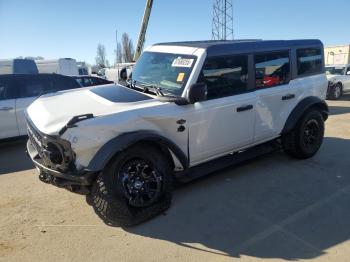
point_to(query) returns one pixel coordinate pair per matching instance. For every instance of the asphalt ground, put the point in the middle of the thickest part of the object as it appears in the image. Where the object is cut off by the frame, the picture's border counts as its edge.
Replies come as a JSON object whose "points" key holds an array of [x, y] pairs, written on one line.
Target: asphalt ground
{"points": [[271, 208]]}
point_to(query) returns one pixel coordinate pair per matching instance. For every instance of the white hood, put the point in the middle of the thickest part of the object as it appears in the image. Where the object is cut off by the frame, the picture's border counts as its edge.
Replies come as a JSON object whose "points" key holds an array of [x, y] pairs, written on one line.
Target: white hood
{"points": [[51, 112]]}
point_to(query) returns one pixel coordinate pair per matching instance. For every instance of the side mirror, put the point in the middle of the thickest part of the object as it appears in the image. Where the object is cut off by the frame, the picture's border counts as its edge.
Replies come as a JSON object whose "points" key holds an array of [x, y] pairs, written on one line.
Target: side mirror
{"points": [[197, 93]]}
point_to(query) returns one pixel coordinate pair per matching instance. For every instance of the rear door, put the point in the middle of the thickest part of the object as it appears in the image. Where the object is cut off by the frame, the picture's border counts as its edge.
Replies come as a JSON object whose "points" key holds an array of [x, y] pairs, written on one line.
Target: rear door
{"points": [[31, 87], [8, 122], [276, 95]]}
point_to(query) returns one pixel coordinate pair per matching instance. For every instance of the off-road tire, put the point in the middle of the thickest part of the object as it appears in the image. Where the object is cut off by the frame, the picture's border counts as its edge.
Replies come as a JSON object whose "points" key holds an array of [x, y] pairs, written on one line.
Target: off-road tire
{"points": [[293, 142], [335, 92], [108, 199]]}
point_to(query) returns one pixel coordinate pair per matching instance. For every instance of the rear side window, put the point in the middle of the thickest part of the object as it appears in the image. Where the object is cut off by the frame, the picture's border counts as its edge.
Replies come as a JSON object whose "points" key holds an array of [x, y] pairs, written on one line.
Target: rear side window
{"points": [[33, 87], [66, 83], [225, 76], [8, 90], [309, 61], [3, 90], [272, 69]]}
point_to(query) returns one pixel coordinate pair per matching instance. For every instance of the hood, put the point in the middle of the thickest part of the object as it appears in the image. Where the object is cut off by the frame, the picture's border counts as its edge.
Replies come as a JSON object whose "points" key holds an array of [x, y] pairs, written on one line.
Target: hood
{"points": [[51, 112]]}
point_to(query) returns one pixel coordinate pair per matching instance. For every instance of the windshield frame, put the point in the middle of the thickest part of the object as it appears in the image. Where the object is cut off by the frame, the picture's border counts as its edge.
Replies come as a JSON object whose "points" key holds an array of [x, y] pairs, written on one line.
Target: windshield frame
{"points": [[173, 91]]}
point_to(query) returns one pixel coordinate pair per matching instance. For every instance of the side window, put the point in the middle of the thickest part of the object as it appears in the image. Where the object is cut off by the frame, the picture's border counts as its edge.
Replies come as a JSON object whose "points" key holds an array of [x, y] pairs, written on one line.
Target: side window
{"points": [[347, 71], [3, 90], [309, 61], [225, 76], [272, 69], [31, 87], [80, 80], [66, 83]]}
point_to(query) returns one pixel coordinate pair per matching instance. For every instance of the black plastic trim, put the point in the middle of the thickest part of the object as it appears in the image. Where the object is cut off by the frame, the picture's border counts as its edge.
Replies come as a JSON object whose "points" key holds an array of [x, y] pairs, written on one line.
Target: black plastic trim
{"points": [[301, 108], [119, 143], [71, 123]]}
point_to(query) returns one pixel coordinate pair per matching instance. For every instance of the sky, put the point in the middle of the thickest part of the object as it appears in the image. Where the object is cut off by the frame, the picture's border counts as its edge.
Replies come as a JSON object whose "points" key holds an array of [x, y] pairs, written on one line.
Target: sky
{"points": [[74, 28]]}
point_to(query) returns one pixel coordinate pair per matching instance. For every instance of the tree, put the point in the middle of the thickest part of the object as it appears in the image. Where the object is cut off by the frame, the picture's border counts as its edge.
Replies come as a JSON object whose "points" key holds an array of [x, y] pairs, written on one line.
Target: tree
{"points": [[118, 54], [127, 48], [101, 59]]}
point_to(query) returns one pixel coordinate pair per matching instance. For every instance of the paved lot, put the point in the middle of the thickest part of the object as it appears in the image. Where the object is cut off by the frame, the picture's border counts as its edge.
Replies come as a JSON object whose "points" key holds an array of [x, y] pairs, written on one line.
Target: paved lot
{"points": [[270, 208]]}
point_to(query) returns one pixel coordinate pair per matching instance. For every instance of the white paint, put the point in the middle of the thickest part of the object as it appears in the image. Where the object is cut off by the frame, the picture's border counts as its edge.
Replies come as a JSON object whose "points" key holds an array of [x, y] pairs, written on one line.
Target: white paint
{"points": [[213, 127]]}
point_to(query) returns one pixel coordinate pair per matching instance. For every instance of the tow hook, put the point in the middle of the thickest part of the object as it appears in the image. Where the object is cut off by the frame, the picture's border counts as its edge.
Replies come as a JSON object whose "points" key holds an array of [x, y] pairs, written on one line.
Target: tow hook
{"points": [[45, 177]]}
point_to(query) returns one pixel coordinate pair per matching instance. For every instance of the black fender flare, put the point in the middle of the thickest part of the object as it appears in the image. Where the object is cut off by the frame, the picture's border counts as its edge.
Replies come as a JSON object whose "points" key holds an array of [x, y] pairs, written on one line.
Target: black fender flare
{"points": [[123, 141], [301, 108]]}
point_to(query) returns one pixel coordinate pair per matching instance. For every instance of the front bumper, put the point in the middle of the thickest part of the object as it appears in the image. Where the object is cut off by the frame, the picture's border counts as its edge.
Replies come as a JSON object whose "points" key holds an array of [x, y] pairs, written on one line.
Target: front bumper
{"points": [[69, 178]]}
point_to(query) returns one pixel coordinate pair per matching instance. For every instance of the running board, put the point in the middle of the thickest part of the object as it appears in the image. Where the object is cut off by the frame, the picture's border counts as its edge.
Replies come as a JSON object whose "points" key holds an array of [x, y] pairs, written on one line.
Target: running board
{"points": [[227, 161]]}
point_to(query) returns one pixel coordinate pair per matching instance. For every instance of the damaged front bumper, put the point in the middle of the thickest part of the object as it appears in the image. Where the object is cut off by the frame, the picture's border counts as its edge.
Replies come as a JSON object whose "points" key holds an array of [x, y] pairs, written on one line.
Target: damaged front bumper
{"points": [[57, 178]]}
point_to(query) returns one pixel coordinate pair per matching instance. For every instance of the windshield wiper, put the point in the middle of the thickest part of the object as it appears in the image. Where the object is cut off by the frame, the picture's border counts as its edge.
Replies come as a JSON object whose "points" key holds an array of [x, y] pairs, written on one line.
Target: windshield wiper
{"points": [[146, 87]]}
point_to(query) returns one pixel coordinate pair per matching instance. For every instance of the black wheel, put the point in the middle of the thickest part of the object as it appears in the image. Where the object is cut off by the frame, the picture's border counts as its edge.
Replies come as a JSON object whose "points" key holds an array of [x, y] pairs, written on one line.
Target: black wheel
{"points": [[306, 138], [134, 187], [336, 91]]}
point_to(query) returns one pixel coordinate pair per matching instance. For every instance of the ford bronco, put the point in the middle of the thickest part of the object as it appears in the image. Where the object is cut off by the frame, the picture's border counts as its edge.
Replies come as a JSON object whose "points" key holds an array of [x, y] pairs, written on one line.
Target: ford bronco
{"points": [[189, 108]]}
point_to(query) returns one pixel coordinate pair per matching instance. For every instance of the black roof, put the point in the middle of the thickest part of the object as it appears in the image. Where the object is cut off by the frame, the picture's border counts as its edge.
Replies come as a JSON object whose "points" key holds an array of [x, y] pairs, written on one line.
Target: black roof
{"points": [[217, 47]]}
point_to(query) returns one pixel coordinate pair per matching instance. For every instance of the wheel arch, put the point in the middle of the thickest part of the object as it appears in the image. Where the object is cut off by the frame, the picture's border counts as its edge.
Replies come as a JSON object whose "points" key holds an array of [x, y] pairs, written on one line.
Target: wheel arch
{"points": [[124, 141], [301, 108]]}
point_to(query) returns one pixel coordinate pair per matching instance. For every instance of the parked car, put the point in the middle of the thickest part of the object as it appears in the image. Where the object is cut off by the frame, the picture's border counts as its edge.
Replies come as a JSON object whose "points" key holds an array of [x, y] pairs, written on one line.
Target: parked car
{"points": [[18, 91], [18, 66], [63, 66], [92, 81], [339, 80], [189, 109]]}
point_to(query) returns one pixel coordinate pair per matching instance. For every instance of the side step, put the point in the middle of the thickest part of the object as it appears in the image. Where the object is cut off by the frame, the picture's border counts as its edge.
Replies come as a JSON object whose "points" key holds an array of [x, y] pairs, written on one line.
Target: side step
{"points": [[227, 161]]}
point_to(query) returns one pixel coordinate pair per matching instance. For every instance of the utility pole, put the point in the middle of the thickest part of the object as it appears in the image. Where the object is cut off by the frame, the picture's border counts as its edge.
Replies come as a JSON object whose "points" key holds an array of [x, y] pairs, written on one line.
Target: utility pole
{"points": [[222, 25], [117, 46], [144, 24]]}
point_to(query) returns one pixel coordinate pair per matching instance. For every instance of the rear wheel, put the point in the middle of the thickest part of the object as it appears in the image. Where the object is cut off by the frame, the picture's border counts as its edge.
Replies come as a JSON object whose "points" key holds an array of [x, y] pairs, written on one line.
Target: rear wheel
{"points": [[134, 187], [306, 138]]}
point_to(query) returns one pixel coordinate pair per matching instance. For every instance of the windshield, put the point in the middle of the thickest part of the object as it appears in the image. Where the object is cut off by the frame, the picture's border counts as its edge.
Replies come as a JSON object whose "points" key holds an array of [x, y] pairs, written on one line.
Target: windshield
{"points": [[331, 70], [170, 72]]}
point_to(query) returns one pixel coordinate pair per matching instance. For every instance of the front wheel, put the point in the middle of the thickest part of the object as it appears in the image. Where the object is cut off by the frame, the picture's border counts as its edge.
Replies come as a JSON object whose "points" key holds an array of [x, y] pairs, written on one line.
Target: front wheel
{"points": [[336, 91], [134, 187], [306, 138]]}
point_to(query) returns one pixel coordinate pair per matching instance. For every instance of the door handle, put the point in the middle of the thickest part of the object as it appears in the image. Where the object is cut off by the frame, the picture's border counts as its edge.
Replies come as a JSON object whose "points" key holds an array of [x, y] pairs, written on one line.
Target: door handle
{"points": [[6, 108], [287, 97], [244, 108]]}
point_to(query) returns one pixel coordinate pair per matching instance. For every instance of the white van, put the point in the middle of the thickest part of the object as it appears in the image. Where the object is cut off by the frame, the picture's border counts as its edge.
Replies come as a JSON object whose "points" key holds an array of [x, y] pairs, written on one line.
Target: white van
{"points": [[120, 72], [63, 66], [18, 66]]}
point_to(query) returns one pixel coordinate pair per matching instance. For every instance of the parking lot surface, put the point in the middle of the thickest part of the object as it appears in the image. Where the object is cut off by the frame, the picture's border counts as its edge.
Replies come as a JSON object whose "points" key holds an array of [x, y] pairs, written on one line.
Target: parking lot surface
{"points": [[272, 207]]}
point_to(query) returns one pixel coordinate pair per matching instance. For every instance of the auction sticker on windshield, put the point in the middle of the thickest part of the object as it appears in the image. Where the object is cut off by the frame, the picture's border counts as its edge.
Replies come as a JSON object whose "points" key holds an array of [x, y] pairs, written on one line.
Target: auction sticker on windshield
{"points": [[182, 62]]}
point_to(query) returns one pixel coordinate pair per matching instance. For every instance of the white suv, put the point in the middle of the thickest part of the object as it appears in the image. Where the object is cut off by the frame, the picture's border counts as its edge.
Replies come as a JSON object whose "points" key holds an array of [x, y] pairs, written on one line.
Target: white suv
{"points": [[189, 108], [339, 80]]}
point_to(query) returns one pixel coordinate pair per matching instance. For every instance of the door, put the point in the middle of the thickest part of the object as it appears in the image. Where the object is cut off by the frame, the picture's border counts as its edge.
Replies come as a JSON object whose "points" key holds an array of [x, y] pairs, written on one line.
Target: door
{"points": [[347, 79], [276, 95], [225, 121], [8, 122], [31, 87]]}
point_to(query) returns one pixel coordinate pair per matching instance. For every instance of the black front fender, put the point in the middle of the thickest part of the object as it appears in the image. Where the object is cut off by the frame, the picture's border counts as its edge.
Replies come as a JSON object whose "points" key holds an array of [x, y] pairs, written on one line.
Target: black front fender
{"points": [[301, 108], [122, 142]]}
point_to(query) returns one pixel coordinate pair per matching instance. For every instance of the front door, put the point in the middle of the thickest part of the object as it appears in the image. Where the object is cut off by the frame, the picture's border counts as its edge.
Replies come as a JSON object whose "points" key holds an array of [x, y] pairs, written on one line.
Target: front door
{"points": [[225, 121], [8, 122]]}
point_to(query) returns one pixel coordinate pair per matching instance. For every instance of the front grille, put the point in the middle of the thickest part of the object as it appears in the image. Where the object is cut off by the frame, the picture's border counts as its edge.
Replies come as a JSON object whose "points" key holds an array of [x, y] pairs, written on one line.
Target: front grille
{"points": [[54, 152], [36, 139]]}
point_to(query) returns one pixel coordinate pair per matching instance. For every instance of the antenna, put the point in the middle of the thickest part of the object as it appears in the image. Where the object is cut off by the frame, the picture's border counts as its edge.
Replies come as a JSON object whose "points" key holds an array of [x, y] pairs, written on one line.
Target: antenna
{"points": [[222, 26]]}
